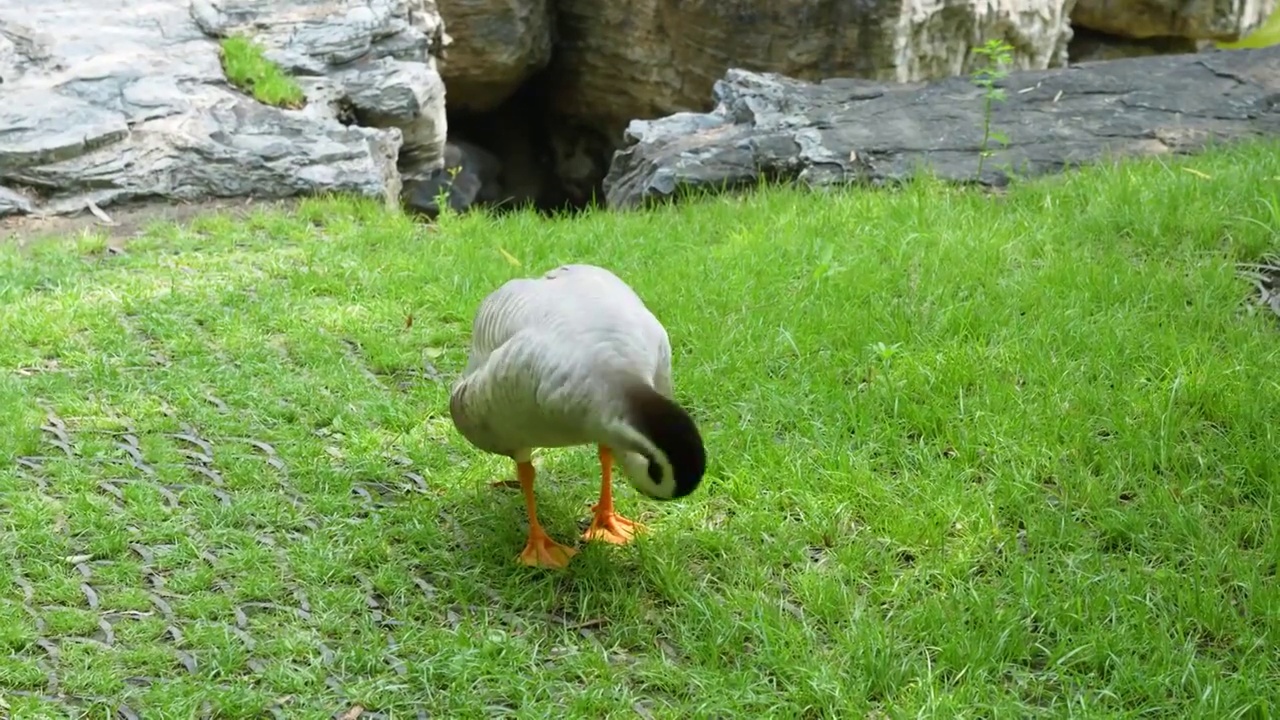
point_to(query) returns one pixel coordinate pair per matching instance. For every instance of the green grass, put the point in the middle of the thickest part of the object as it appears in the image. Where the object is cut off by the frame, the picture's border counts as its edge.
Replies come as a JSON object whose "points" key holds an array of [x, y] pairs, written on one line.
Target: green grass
{"points": [[971, 456], [249, 70]]}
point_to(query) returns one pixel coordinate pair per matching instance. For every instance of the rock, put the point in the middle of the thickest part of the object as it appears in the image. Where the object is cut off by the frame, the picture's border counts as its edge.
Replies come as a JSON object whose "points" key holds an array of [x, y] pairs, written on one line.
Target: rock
{"points": [[1265, 276], [1223, 20], [38, 127], [857, 131], [315, 36], [471, 176], [1087, 45], [389, 93], [373, 57], [111, 101], [13, 203], [496, 46], [619, 60]]}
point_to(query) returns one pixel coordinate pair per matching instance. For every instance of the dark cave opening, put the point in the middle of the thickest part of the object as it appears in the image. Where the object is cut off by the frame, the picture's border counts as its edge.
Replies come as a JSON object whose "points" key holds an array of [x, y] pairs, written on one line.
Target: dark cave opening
{"points": [[506, 159]]}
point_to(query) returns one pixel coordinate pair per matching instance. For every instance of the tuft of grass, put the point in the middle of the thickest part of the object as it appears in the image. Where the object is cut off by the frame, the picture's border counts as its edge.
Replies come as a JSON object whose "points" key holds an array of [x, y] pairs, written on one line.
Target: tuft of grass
{"points": [[1005, 456], [248, 69]]}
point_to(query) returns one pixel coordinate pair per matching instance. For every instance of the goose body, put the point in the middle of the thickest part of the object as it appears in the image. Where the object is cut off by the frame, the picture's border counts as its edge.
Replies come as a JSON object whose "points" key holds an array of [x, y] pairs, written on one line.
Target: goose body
{"points": [[574, 357]]}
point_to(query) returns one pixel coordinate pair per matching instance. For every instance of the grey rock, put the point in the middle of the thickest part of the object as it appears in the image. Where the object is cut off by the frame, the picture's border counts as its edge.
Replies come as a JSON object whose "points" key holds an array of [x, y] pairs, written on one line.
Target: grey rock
{"points": [[39, 127], [13, 203], [844, 131], [1265, 276], [111, 101], [470, 176], [1087, 45], [1227, 20], [623, 59], [393, 91], [497, 45], [314, 36], [618, 60], [374, 55], [410, 96]]}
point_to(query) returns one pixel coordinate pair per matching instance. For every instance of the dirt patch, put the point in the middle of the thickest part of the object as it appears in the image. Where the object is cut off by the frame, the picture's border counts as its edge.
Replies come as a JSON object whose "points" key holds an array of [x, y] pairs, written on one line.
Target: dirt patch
{"points": [[127, 221]]}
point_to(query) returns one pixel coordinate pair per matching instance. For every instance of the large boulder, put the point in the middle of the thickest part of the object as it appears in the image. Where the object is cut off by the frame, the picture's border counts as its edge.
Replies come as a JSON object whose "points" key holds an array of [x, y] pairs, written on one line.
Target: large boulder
{"points": [[617, 61], [495, 46], [470, 176], [858, 131], [1087, 45], [643, 58], [1223, 20], [370, 60], [106, 101]]}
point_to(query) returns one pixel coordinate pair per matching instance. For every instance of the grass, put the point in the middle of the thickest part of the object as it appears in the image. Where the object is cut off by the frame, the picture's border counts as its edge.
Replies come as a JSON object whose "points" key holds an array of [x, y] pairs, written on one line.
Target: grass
{"points": [[971, 456], [248, 69]]}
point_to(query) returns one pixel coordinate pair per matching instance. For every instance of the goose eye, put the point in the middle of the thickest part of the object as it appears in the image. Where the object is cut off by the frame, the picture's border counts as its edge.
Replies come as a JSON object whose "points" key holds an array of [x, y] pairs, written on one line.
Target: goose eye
{"points": [[655, 470]]}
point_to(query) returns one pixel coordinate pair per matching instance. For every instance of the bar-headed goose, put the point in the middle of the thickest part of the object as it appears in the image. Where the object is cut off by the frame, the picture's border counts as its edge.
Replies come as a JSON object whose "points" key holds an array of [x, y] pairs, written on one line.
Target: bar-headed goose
{"points": [[575, 358]]}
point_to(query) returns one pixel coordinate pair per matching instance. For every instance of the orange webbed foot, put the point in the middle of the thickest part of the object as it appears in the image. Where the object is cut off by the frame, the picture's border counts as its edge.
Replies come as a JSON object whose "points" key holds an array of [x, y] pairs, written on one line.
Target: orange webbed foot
{"points": [[539, 550], [612, 528], [606, 524], [542, 551]]}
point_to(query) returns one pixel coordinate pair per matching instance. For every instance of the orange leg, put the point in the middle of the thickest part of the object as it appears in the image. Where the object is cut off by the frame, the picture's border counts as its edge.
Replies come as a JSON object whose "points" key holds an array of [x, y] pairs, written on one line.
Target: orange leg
{"points": [[608, 525], [540, 550]]}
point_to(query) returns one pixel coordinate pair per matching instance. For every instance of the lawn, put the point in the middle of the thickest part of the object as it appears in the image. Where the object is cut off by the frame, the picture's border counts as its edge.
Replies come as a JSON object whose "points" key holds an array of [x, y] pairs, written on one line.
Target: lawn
{"points": [[971, 455]]}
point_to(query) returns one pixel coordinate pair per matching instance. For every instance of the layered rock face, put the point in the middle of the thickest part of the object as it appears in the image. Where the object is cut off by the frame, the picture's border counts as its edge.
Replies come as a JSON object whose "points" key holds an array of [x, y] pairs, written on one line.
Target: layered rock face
{"points": [[501, 44], [619, 61], [1226, 20], [109, 100], [1108, 29], [106, 101], [614, 61]]}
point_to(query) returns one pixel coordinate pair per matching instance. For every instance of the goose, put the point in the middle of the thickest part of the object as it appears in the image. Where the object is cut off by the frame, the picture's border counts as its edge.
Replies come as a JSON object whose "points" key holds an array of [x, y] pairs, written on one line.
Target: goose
{"points": [[574, 357]]}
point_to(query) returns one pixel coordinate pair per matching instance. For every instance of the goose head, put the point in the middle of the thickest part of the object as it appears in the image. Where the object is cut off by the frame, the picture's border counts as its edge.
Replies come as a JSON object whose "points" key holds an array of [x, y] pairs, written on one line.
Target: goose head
{"points": [[664, 457]]}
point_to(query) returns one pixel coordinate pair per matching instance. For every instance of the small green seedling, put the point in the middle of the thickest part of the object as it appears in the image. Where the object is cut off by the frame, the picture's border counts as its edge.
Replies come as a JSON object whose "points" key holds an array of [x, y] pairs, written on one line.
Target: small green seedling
{"points": [[998, 54]]}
